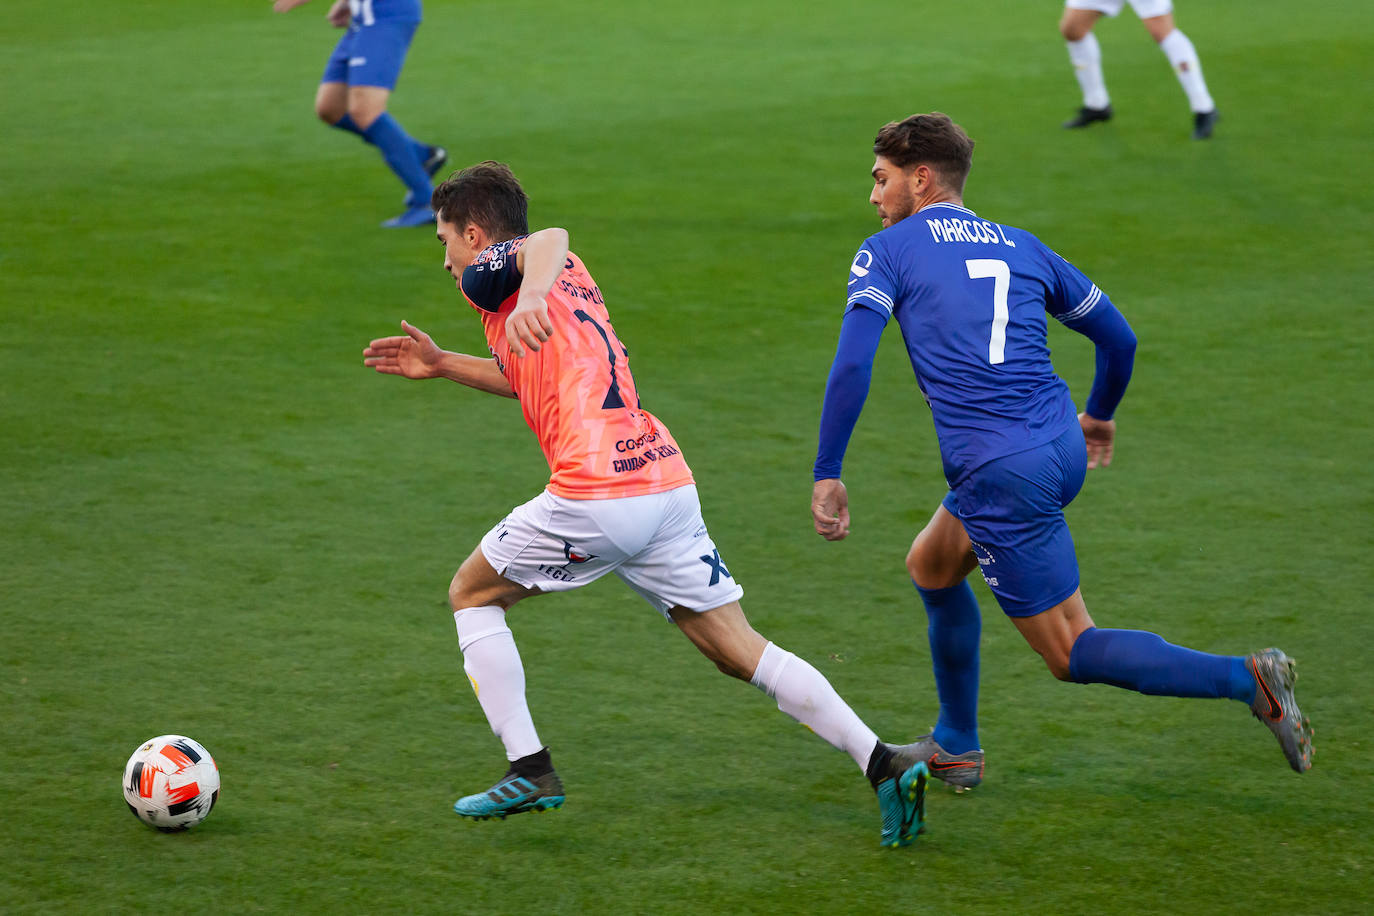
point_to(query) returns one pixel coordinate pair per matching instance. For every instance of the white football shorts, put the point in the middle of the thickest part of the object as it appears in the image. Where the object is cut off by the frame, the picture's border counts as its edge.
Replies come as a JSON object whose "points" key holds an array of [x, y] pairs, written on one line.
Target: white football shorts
{"points": [[1145, 9], [657, 543]]}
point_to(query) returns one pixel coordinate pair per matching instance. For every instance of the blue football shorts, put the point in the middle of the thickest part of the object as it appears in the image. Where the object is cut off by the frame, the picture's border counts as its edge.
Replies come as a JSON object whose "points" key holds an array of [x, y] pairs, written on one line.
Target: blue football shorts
{"points": [[1013, 510], [370, 55]]}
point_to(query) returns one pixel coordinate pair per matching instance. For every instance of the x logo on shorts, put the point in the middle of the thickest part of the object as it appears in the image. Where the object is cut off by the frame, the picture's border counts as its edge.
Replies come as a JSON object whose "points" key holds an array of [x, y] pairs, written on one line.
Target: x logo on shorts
{"points": [[717, 567]]}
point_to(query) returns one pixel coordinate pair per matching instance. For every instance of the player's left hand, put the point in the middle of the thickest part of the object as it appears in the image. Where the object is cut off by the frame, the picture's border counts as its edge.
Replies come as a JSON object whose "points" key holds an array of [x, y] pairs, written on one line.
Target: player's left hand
{"points": [[1099, 435], [528, 324], [414, 354], [830, 509], [339, 14]]}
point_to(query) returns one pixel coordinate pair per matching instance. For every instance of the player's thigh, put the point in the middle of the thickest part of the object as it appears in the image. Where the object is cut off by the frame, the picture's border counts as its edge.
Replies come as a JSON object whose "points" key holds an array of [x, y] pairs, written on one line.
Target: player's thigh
{"points": [[1053, 632], [551, 544], [1080, 16], [941, 556], [681, 566], [331, 102], [1013, 511], [478, 584], [723, 635]]}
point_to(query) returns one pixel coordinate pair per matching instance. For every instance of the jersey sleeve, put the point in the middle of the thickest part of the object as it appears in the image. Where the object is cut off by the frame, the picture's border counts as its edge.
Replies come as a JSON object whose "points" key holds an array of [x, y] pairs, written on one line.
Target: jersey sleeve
{"points": [[1071, 294], [846, 388], [871, 280], [490, 281], [1079, 305]]}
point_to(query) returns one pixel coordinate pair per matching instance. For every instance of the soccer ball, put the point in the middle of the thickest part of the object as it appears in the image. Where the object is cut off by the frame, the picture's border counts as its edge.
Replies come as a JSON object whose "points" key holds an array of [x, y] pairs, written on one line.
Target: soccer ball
{"points": [[171, 783]]}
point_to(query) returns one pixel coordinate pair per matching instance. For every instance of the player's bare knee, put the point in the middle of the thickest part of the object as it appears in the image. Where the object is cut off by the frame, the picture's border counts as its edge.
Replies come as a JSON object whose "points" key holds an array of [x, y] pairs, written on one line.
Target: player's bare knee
{"points": [[733, 669], [1074, 26], [457, 594], [1058, 663], [364, 112], [1159, 27], [464, 593], [931, 572]]}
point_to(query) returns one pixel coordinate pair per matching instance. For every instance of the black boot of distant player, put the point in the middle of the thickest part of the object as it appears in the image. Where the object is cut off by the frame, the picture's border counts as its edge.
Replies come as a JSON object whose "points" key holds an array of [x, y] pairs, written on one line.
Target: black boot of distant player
{"points": [[1087, 116], [1204, 122]]}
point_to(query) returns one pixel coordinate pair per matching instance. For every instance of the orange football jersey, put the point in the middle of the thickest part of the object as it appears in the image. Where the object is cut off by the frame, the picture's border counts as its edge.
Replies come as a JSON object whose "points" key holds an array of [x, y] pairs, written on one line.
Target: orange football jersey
{"points": [[576, 392]]}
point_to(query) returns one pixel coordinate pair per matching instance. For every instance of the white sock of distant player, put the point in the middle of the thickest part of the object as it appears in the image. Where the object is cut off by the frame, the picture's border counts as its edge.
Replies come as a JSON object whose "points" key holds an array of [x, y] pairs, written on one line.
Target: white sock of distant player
{"points": [[493, 666], [804, 694], [1086, 57], [1188, 69]]}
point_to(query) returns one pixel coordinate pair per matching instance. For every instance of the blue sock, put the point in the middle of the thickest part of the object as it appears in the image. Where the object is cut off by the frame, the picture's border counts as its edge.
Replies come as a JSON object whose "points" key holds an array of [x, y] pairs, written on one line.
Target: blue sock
{"points": [[348, 124], [955, 626], [1141, 661], [398, 149], [422, 150]]}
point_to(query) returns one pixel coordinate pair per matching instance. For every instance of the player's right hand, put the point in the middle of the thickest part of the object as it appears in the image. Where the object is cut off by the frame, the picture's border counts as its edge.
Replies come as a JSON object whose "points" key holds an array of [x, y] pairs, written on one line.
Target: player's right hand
{"points": [[528, 324], [830, 509], [414, 355], [1099, 436]]}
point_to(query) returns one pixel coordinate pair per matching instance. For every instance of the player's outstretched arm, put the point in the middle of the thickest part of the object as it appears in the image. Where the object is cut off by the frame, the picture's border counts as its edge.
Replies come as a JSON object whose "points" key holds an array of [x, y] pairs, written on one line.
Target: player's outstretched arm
{"points": [[830, 509], [540, 260], [416, 355], [281, 6], [1100, 435]]}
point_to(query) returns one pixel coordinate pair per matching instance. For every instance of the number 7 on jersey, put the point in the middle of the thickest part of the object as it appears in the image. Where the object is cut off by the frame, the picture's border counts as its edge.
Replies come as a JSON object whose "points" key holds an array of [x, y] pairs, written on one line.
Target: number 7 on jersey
{"points": [[1000, 274]]}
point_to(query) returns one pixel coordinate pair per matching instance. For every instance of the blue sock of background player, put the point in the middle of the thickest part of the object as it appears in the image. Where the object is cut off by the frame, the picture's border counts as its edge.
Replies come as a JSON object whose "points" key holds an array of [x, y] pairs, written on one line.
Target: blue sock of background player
{"points": [[418, 186], [398, 149], [422, 150], [356, 86]]}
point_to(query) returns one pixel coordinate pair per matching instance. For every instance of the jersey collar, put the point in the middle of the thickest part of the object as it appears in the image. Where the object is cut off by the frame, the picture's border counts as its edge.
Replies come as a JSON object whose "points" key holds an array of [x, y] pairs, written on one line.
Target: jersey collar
{"points": [[949, 205]]}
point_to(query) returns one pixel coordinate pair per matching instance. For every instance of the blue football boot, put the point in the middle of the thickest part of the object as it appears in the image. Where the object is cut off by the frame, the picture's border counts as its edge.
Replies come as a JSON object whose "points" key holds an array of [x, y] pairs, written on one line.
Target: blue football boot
{"points": [[529, 785], [437, 158], [899, 777], [415, 216]]}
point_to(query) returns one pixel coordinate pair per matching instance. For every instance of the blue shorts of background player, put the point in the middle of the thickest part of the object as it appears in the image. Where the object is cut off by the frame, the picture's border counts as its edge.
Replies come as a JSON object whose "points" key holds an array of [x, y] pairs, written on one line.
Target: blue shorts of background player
{"points": [[370, 55], [1013, 511], [357, 84]]}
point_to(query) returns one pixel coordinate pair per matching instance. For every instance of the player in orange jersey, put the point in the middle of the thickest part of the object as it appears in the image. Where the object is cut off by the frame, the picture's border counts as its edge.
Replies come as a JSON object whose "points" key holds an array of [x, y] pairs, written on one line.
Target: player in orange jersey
{"points": [[620, 499]]}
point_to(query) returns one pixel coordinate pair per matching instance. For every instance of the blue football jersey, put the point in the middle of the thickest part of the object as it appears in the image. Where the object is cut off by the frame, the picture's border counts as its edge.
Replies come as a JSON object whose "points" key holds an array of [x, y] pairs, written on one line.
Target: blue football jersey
{"points": [[971, 298]]}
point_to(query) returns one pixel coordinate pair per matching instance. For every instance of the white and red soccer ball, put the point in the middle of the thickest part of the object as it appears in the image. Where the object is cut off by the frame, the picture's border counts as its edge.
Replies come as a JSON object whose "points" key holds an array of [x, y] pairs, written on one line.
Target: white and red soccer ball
{"points": [[171, 783]]}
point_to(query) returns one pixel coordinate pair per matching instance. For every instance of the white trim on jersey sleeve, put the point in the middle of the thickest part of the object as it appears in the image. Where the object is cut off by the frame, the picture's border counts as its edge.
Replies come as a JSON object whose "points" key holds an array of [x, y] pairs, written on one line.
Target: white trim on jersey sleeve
{"points": [[1084, 307], [872, 294]]}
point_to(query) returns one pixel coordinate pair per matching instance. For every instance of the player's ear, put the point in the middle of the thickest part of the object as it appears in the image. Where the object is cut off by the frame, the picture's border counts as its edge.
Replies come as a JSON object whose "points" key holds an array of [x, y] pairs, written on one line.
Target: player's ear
{"points": [[920, 177]]}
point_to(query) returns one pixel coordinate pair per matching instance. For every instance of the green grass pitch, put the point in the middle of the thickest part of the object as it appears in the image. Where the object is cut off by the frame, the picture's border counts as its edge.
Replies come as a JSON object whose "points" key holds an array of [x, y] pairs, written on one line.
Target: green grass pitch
{"points": [[214, 521]]}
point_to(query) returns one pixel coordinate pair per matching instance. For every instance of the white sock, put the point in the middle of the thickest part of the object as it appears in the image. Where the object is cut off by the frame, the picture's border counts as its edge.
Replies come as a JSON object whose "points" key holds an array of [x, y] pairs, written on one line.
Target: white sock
{"points": [[493, 666], [804, 694], [1188, 69], [1086, 57]]}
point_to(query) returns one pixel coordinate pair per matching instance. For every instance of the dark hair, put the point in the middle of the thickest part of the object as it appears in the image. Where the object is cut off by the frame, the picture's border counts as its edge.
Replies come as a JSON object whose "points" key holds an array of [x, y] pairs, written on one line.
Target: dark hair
{"points": [[487, 194], [928, 139]]}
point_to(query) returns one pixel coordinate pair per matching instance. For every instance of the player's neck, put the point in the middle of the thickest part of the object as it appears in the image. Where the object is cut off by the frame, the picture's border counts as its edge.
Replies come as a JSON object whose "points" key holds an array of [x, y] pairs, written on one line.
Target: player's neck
{"points": [[939, 196]]}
